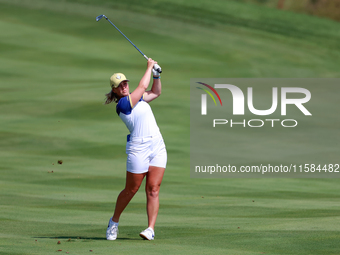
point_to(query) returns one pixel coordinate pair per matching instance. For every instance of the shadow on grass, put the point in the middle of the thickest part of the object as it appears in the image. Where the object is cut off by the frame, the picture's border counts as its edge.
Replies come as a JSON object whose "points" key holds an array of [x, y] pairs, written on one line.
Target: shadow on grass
{"points": [[73, 238]]}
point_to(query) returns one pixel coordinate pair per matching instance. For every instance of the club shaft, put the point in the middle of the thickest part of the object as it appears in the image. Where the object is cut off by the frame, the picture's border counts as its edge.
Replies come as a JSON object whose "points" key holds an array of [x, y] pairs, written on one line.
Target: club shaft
{"points": [[156, 67], [126, 38]]}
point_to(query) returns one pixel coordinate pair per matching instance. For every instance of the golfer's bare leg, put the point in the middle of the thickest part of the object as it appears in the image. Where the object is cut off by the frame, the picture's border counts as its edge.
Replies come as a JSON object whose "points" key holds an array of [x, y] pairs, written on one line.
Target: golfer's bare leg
{"points": [[133, 182], [153, 183]]}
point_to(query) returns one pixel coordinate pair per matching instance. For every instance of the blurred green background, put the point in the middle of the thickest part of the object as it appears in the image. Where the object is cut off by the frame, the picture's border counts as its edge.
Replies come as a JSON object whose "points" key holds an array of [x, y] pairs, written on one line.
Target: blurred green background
{"points": [[55, 62]]}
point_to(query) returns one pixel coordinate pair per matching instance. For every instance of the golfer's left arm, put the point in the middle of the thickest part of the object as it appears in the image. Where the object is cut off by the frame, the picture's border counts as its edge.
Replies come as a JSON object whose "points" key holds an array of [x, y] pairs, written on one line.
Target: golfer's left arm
{"points": [[156, 88]]}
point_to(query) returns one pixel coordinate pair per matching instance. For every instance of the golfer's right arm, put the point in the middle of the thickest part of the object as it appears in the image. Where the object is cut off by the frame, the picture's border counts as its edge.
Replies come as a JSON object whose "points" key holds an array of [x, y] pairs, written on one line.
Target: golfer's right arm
{"points": [[143, 84]]}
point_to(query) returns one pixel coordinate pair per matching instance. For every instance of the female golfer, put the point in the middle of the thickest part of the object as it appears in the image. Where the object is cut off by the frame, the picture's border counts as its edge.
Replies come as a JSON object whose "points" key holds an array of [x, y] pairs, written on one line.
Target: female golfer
{"points": [[145, 149]]}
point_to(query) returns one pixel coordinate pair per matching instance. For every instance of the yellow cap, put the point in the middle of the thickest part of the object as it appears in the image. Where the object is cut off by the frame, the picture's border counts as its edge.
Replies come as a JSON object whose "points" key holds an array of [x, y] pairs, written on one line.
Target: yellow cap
{"points": [[116, 79]]}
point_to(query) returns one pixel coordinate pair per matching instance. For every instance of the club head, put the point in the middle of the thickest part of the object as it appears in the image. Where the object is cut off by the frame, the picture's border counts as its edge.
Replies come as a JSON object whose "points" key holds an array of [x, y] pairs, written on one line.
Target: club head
{"points": [[100, 17]]}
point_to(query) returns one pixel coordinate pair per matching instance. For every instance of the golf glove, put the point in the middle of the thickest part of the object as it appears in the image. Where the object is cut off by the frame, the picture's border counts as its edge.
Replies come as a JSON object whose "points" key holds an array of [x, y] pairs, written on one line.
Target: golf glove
{"points": [[158, 70]]}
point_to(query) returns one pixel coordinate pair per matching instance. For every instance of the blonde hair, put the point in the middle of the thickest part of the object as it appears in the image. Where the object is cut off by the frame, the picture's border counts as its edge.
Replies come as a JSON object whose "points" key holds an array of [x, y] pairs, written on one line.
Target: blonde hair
{"points": [[111, 97]]}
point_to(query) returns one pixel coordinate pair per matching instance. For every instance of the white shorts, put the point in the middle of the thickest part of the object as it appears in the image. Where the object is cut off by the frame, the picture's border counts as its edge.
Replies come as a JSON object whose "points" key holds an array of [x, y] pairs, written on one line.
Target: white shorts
{"points": [[144, 152]]}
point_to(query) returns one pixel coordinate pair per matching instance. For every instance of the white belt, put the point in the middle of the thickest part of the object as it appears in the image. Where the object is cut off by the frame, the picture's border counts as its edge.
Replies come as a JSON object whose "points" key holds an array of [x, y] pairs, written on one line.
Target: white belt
{"points": [[141, 139]]}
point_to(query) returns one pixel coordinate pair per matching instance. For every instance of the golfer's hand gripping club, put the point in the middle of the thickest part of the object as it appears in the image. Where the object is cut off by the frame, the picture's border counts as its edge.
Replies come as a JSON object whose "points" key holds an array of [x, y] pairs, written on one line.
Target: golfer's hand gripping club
{"points": [[155, 73], [155, 67]]}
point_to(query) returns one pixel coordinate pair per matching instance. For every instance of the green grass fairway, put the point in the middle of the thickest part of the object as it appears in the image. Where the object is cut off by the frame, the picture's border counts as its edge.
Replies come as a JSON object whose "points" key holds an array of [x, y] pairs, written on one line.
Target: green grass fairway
{"points": [[55, 63]]}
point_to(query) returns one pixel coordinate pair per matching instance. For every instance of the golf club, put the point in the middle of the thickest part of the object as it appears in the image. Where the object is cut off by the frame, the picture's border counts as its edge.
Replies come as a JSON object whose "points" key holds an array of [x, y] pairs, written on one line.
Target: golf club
{"points": [[155, 67]]}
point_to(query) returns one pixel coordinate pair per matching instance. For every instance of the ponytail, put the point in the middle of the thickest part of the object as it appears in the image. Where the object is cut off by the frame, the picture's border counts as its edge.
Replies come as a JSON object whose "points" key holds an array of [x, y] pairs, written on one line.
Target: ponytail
{"points": [[111, 97]]}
